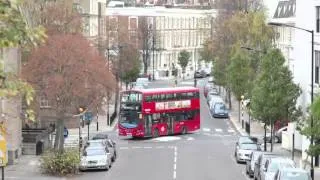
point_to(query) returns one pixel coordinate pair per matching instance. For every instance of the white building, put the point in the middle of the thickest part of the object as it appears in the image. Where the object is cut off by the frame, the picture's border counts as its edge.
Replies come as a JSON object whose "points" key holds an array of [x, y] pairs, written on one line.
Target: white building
{"points": [[297, 48], [175, 30]]}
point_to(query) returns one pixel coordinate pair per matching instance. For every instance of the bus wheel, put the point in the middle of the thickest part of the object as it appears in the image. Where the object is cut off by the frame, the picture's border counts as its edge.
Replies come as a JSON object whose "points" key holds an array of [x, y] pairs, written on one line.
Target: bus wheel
{"points": [[155, 133], [184, 130]]}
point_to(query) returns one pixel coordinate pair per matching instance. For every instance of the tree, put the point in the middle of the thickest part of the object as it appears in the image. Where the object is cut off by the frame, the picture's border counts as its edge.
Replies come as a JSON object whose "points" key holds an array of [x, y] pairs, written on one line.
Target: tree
{"points": [[144, 34], [183, 60], [70, 73], [239, 74], [275, 94], [206, 53], [15, 33], [314, 130], [130, 66]]}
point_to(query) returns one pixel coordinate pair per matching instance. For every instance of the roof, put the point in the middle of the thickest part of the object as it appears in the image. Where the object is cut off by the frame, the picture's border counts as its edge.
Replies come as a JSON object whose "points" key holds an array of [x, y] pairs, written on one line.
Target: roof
{"points": [[166, 90], [285, 9], [158, 11]]}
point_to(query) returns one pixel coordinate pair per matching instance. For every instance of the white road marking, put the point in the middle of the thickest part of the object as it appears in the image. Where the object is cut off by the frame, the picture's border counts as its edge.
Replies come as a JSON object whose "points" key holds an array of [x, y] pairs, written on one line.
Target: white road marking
{"points": [[218, 130], [159, 147], [190, 138], [231, 130], [124, 147], [135, 147], [187, 83], [167, 138], [206, 129], [148, 147], [175, 162]]}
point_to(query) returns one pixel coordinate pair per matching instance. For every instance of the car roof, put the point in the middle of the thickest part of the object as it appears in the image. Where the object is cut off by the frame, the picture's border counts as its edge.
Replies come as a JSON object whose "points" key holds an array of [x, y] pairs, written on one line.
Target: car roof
{"points": [[281, 159], [291, 169]]}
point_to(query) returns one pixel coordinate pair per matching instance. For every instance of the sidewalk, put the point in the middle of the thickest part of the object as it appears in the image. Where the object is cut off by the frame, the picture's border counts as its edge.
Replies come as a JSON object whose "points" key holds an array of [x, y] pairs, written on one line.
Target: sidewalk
{"points": [[257, 130]]}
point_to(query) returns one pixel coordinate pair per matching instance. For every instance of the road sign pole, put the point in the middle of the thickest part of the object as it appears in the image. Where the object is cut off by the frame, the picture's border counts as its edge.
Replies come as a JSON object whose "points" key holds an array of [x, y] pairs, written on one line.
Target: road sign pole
{"points": [[2, 169], [88, 129]]}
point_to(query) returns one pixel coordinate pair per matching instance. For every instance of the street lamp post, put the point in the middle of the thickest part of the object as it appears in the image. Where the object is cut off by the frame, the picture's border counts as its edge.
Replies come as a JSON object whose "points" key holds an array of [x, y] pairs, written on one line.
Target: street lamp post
{"points": [[242, 108], [312, 83]]}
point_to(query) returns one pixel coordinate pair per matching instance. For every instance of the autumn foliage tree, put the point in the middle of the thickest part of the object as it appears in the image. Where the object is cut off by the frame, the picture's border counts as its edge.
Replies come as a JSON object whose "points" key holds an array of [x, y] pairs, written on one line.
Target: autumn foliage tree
{"points": [[70, 73]]}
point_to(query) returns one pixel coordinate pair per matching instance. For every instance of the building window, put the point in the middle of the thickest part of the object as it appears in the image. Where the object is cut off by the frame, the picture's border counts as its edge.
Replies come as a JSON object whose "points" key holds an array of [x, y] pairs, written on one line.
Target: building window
{"points": [[44, 102], [318, 19], [133, 24], [317, 64]]}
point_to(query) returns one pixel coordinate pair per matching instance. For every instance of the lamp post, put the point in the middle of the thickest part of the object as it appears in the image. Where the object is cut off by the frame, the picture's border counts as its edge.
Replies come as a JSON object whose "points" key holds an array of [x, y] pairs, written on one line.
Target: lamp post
{"points": [[242, 119], [312, 83]]}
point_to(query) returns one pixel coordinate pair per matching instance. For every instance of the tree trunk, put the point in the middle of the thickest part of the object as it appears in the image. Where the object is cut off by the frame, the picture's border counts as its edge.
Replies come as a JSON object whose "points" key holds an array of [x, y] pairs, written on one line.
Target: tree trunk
{"points": [[127, 84], [265, 136], [272, 135], [59, 139], [229, 94], [115, 112], [239, 111]]}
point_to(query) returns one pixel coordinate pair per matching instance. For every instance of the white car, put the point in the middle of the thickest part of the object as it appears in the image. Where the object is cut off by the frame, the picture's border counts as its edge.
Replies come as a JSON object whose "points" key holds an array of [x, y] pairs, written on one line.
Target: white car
{"points": [[95, 158]]}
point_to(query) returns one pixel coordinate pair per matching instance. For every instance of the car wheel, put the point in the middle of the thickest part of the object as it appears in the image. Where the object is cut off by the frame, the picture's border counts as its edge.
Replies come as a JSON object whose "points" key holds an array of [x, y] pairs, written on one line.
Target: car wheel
{"points": [[184, 130], [276, 139], [155, 133], [237, 159]]}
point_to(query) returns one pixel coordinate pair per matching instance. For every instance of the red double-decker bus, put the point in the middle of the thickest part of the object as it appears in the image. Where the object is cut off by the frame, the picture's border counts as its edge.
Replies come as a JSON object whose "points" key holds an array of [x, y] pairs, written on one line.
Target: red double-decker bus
{"points": [[159, 112]]}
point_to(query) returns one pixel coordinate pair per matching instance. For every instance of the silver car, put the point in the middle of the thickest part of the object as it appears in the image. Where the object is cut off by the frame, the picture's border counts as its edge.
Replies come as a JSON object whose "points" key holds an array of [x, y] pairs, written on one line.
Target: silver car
{"points": [[95, 158], [244, 150], [292, 174], [250, 163], [272, 165]]}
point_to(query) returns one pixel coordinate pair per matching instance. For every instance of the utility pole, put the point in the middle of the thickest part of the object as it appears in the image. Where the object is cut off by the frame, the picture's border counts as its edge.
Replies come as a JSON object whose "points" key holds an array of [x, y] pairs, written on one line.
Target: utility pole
{"points": [[153, 44]]}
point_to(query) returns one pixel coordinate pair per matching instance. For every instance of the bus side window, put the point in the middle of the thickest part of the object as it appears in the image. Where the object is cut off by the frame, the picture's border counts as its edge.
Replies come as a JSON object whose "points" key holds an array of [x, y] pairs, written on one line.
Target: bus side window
{"points": [[148, 98], [163, 97], [169, 97], [190, 95], [197, 95], [155, 97], [178, 96], [174, 96], [184, 96]]}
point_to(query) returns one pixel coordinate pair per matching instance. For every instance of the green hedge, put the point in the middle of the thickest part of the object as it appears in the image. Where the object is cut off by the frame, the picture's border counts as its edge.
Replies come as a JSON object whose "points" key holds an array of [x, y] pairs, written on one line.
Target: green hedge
{"points": [[57, 163]]}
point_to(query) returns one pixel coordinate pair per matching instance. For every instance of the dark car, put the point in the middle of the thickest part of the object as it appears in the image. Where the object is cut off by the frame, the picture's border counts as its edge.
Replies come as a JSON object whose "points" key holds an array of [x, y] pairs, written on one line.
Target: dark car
{"points": [[219, 110]]}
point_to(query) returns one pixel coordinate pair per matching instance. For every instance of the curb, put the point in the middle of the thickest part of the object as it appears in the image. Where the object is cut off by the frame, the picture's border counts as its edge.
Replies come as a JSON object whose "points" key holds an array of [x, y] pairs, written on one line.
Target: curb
{"points": [[237, 127]]}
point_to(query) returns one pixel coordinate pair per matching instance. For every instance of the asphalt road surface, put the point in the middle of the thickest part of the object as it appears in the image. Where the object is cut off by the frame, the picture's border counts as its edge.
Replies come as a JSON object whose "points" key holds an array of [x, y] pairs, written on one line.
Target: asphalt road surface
{"points": [[203, 155]]}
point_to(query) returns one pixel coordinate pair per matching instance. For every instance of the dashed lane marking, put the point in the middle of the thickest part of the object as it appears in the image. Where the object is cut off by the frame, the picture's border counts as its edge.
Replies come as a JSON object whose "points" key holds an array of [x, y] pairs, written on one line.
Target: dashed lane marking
{"points": [[218, 130], [190, 138], [231, 131], [206, 129]]}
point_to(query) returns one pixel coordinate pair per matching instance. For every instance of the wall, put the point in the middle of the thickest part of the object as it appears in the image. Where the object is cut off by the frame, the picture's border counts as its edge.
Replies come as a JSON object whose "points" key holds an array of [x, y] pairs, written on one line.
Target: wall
{"points": [[10, 109]]}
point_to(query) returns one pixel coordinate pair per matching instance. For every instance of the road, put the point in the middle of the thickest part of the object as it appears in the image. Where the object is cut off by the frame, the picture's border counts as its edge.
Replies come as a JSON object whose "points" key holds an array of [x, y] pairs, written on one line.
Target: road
{"points": [[204, 155]]}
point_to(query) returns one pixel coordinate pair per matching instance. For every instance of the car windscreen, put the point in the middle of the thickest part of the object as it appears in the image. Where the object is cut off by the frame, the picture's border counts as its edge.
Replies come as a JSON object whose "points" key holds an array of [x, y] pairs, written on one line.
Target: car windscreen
{"points": [[95, 152], [248, 146]]}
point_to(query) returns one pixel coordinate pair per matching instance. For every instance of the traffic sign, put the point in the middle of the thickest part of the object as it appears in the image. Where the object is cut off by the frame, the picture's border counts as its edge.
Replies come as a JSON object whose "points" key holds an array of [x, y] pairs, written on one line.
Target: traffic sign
{"points": [[88, 116], [3, 150]]}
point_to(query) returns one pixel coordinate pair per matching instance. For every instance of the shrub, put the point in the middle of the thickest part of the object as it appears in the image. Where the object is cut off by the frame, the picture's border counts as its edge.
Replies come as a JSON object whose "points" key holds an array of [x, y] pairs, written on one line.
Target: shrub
{"points": [[60, 163]]}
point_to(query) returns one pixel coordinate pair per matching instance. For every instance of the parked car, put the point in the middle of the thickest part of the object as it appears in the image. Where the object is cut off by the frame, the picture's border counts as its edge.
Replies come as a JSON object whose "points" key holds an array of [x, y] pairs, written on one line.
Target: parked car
{"points": [[109, 143], [277, 136], [95, 158], [219, 110], [213, 99], [213, 91], [250, 163], [206, 89], [271, 166], [260, 163], [244, 150], [210, 80], [292, 174]]}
